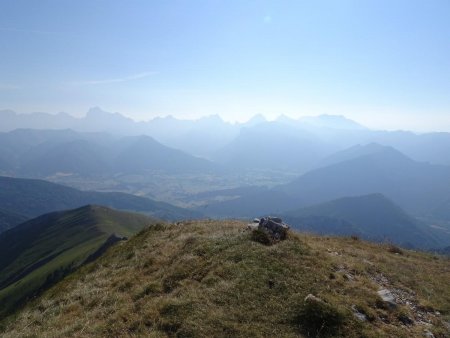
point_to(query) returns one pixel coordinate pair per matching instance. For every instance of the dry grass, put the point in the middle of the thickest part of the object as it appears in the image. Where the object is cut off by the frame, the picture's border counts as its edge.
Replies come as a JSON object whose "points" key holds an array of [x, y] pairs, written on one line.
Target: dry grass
{"points": [[209, 279]]}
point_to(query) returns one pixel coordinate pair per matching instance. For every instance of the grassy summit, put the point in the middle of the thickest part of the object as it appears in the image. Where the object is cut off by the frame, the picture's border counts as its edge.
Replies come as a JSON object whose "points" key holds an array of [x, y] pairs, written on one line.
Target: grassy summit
{"points": [[209, 279]]}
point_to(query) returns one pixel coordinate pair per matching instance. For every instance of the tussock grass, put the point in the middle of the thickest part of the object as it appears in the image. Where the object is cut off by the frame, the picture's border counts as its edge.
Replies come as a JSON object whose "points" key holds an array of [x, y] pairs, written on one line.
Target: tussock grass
{"points": [[210, 279]]}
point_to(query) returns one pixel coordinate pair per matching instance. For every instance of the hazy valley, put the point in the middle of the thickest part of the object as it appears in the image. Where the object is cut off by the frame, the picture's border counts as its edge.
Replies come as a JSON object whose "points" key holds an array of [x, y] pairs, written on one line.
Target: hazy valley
{"points": [[58, 185], [224, 169]]}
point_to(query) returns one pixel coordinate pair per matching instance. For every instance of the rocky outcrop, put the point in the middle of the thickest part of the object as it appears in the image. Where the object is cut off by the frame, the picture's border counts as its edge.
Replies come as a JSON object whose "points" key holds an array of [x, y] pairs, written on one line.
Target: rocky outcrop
{"points": [[269, 230]]}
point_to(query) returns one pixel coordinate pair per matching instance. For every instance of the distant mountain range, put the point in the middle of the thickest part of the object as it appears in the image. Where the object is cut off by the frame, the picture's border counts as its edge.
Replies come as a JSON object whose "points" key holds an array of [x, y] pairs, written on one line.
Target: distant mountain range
{"points": [[26, 198], [333, 158], [199, 137], [372, 217], [36, 254], [41, 153], [352, 153], [274, 146], [299, 143], [415, 186], [422, 189]]}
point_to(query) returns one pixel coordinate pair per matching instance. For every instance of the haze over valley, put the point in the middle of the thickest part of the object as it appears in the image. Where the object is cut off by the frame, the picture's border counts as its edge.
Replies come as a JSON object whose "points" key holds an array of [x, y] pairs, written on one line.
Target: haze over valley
{"points": [[256, 168], [224, 169]]}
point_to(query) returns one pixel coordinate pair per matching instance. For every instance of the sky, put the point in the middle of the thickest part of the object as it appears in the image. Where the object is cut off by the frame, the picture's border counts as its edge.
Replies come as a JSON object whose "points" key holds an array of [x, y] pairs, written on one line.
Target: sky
{"points": [[383, 63]]}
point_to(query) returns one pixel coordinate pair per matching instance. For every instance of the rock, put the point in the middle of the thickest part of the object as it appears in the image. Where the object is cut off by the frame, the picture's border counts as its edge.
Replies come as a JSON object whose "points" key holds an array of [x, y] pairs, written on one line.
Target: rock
{"points": [[252, 226], [348, 277], [387, 297], [360, 316], [333, 253], [313, 299], [428, 334], [274, 227]]}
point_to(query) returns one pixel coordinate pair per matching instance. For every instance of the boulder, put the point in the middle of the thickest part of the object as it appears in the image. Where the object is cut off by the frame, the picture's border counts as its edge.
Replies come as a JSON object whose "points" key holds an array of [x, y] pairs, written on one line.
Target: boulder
{"points": [[274, 227], [387, 297]]}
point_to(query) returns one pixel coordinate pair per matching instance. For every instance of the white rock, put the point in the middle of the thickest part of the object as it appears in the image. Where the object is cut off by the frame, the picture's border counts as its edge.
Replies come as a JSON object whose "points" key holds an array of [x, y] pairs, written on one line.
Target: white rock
{"points": [[360, 316], [387, 296], [428, 334], [312, 298]]}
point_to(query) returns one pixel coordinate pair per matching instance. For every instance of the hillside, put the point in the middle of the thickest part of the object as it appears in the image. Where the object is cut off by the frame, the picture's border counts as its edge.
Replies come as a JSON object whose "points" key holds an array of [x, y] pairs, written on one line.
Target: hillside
{"points": [[442, 211], [32, 198], [209, 279], [416, 187], [143, 153], [42, 153], [9, 220], [352, 153], [38, 252], [249, 203], [273, 146], [422, 189], [372, 217], [76, 156]]}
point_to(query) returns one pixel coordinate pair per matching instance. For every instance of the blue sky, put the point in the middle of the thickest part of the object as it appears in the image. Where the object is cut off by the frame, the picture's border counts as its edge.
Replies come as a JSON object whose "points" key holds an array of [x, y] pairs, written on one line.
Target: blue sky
{"points": [[382, 63]]}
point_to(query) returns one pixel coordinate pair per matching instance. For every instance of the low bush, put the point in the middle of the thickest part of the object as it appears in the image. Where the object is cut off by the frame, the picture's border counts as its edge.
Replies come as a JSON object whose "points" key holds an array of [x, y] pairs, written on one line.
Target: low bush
{"points": [[395, 249], [261, 236], [317, 318]]}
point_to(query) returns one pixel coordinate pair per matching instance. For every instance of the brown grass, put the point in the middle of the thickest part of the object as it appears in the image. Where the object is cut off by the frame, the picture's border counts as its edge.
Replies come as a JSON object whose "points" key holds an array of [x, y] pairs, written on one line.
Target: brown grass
{"points": [[209, 279]]}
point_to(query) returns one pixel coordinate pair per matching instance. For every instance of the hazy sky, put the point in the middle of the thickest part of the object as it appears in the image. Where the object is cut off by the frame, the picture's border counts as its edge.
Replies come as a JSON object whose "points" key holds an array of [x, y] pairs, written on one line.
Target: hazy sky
{"points": [[382, 63]]}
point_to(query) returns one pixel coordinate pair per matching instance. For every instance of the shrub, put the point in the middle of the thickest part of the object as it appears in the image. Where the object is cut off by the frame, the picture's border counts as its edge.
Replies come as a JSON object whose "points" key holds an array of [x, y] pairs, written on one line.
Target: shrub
{"points": [[316, 318], [261, 236], [395, 249]]}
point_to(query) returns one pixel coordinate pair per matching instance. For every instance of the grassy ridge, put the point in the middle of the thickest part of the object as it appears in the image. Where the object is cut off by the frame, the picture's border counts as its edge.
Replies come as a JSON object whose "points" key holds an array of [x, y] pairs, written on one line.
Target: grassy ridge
{"points": [[42, 250], [208, 279]]}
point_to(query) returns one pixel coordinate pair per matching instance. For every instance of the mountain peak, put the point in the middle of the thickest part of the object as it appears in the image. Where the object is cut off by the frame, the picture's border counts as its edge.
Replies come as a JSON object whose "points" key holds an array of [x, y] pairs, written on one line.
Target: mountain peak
{"points": [[213, 117], [332, 122], [96, 111], [373, 149], [285, 119], [256, 119]]}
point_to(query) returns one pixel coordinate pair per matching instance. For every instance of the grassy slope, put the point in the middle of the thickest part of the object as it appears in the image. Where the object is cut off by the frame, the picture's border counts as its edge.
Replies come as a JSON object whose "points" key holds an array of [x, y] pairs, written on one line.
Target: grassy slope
{"points": [[208, 279], [56, 241]]}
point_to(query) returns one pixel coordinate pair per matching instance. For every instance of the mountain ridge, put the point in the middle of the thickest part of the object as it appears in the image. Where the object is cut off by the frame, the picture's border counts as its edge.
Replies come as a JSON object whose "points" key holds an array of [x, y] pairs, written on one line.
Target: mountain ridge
{"points": [[41, 197], [38, 252], [42, 153], [373, 217]]}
